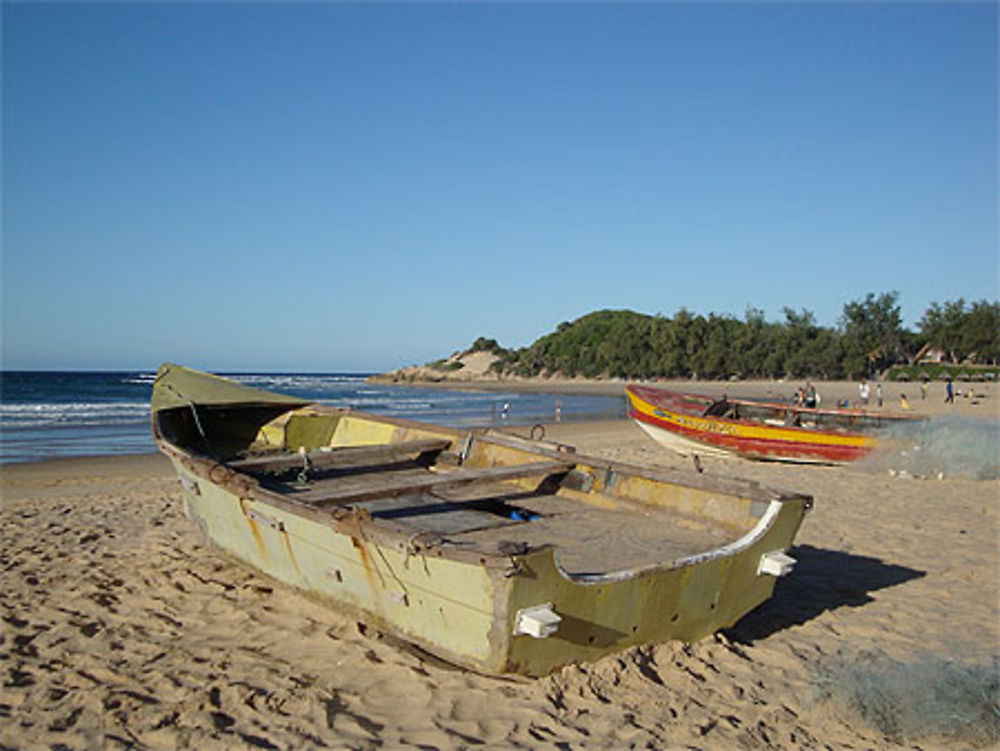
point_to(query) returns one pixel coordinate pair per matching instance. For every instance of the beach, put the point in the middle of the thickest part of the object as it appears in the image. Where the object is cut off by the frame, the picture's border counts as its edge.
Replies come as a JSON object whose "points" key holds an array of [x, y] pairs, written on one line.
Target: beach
{"points": [[123, 629]]}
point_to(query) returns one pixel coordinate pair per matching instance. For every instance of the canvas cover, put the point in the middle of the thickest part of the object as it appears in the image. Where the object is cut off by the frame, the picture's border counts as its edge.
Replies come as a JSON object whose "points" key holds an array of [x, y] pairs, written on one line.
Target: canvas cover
{"points": [[177, 386]]}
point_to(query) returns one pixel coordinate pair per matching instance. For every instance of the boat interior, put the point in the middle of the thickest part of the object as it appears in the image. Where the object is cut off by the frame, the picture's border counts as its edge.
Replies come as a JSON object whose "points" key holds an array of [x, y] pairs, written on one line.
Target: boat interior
{"points": [[481, 492], [773, 413]]}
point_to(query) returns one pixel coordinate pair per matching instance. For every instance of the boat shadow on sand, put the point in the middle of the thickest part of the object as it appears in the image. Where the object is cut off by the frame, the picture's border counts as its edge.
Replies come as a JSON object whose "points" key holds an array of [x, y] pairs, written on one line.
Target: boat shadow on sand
{"points": [[822, 580]]}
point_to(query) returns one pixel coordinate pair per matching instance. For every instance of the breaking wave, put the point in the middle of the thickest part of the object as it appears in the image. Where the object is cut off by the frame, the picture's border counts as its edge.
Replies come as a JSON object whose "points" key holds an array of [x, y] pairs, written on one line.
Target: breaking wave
{"points": [[72, 413]]}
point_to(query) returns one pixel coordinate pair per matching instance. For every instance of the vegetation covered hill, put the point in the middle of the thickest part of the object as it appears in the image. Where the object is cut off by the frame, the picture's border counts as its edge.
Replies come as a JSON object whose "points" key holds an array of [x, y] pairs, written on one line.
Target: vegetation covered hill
{"points": [[869, 339]]}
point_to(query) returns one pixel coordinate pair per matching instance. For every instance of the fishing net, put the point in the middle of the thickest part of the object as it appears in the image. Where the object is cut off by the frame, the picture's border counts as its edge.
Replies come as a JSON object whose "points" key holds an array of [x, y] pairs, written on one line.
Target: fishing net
{"points": [[941, 447]]}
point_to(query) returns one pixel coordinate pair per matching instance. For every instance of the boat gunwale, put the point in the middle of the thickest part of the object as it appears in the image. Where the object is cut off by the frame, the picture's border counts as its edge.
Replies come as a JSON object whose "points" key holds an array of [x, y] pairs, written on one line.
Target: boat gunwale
{"points": [[750, 489]]}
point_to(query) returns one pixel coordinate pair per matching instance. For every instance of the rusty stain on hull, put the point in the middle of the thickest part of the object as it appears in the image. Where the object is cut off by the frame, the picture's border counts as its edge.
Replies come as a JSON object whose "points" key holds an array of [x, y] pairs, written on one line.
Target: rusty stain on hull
{"points": [[255, 531], [291, 552], [373, 577]]}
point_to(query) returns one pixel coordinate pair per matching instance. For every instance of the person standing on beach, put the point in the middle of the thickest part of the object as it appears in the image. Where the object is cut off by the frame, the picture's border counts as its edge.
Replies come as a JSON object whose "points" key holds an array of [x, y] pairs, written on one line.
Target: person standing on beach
{"points": [[812, 398], [864, 392], [949, 393], [878, 393]]}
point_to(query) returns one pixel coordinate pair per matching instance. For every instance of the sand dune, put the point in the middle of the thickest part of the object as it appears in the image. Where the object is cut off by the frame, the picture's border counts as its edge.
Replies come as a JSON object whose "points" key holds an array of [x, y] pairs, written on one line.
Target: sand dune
{"points": [[121, 629]]}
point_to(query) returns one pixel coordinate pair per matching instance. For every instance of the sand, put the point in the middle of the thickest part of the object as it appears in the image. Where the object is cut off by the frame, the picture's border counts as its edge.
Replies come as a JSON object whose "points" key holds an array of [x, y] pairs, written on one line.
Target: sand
{"points": [[121, 629]]}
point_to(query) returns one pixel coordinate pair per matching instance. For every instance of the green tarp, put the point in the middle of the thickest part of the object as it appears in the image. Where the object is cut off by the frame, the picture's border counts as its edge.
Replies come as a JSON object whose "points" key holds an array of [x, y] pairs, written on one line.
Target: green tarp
{"points": [[177, 386]]}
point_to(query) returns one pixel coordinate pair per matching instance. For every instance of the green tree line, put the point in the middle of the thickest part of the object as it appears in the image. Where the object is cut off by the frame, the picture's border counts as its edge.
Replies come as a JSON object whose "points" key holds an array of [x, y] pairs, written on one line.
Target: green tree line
{"points": [[868, 339]]}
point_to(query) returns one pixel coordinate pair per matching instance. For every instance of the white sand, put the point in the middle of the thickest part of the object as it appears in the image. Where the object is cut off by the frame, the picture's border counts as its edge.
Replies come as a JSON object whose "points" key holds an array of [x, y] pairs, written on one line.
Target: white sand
{"points": [[121, 630]]}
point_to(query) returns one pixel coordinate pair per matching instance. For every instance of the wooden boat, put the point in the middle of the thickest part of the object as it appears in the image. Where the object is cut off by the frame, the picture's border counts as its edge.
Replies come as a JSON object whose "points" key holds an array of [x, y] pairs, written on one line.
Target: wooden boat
{"points": [[692, 424], [491, 551]]}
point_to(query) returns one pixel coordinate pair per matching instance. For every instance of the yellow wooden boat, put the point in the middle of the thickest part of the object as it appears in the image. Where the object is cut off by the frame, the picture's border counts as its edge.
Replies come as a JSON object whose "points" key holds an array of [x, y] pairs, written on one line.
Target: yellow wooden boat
{"points": [[494, 552]]}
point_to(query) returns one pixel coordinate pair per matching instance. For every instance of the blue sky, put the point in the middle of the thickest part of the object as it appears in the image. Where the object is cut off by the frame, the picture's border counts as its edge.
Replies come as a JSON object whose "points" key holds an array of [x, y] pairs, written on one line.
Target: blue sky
{"points": [[317, 187]]}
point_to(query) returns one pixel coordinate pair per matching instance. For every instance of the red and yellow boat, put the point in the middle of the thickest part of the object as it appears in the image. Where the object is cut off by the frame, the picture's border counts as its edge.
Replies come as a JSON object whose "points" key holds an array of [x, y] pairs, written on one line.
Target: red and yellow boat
{"points": [[694, 424]]}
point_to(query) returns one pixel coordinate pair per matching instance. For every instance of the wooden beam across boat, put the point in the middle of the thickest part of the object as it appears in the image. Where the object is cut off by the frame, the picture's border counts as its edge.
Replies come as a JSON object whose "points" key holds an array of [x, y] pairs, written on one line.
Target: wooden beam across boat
{"points": [[343, 456], [390, 486]]}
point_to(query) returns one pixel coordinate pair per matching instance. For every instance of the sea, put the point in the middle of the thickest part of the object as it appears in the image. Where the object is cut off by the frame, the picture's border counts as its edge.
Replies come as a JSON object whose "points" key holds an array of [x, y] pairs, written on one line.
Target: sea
{"points": [[49, 414]]}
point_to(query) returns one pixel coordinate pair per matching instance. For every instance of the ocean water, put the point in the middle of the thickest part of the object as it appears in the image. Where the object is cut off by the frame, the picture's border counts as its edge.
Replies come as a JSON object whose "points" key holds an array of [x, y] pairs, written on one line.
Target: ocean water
{"points": [[46, 415]]}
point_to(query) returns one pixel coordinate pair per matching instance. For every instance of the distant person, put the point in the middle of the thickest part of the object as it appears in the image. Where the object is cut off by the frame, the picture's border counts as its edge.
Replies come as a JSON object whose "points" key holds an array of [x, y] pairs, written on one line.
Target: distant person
{"points": [[949, 393], [864, 391], [558, 410], [812, 398], [923, 390], [504, 410], [903, 403], [878, 393]]}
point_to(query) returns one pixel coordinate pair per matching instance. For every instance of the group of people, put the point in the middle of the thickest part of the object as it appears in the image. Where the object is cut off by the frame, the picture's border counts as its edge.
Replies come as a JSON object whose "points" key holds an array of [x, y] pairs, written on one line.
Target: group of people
{"points": [[807, 396], [864, 392]]}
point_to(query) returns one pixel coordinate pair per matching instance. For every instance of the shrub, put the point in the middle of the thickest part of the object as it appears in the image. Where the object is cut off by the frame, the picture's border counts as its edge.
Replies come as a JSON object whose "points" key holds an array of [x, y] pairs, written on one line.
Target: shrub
{"points": [[446, 365]]}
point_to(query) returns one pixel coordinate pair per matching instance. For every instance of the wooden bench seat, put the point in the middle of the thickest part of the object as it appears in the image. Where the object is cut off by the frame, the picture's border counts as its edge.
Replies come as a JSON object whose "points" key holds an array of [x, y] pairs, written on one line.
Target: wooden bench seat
{"points": [[341, 457]]}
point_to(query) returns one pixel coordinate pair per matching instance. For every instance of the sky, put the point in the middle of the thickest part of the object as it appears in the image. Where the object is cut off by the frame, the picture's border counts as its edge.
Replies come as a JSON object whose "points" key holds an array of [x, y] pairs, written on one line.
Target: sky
{"points": [[334, 187]]}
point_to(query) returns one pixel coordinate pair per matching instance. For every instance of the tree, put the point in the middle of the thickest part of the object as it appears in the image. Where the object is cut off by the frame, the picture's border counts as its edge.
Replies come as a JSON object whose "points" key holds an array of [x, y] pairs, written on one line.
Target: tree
{"points": [[942, 326], [810, 349], [482, 344], [800, 331], [869, 338], [980, 337], [694, 341], [717, 357], [871, 334], [669, 343]]}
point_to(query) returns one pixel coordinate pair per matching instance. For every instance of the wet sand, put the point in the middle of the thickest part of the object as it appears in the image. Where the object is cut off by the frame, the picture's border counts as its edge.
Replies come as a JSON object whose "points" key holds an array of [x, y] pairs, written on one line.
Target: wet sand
{"points": [[121, 629]]}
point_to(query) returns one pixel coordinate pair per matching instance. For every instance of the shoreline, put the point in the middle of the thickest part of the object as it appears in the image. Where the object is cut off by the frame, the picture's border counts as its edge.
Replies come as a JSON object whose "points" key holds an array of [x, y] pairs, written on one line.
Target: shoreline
{"points": [[92, 461], [985, 406], [985, 403]]}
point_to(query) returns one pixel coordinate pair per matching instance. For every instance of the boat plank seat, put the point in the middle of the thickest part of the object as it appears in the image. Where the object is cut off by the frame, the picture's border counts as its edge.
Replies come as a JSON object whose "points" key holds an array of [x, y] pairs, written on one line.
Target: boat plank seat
{"points": [[342, 456], [329, 494]]}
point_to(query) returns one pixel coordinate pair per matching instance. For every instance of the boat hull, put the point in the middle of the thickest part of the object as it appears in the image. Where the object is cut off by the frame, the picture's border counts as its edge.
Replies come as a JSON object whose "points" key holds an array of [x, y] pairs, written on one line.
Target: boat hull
{"points": [[689, 433], [522, 608]]}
